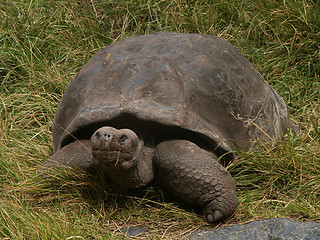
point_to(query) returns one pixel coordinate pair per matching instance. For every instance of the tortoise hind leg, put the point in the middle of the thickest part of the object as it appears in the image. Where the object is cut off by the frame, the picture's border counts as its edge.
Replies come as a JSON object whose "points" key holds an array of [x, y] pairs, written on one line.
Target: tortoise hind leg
{"points": [[195, 176], [75, 156]]}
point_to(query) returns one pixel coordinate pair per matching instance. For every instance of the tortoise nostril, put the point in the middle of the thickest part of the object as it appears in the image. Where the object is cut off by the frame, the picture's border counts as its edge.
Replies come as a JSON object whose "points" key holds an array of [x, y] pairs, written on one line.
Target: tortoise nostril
{"points": [[107, 136]]}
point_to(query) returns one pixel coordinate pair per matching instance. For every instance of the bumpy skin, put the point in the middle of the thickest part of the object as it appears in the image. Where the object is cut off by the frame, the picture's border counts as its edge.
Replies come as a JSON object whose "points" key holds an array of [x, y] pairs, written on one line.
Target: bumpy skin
{"points": [[195, 176]]}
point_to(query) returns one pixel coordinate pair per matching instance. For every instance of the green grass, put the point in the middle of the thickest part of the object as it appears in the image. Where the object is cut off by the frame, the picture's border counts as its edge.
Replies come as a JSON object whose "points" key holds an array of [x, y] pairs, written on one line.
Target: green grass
{"points": [[43, 44]]}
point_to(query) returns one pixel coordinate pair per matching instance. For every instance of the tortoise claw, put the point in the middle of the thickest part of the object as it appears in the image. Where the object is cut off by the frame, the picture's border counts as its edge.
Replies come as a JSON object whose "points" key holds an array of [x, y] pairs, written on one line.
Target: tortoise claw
{"points": [[214, 217]]}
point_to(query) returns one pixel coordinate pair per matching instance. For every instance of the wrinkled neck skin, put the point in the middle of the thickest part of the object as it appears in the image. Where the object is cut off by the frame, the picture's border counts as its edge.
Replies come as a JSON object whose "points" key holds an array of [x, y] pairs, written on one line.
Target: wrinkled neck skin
{"points": [[134, 172]]}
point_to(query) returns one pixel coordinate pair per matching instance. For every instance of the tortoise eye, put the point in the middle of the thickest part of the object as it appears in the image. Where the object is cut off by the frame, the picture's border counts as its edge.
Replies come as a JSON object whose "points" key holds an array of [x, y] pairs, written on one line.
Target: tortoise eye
{"points": [[123, 138]]}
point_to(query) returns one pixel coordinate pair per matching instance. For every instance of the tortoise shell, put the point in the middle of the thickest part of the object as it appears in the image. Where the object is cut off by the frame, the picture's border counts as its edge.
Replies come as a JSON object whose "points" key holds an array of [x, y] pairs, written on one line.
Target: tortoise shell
{"points": [[198, 83]]}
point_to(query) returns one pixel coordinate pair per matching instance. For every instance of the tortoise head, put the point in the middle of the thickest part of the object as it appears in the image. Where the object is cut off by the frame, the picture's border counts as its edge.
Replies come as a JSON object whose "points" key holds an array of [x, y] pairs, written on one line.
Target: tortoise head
{"points": [[115, 148]]}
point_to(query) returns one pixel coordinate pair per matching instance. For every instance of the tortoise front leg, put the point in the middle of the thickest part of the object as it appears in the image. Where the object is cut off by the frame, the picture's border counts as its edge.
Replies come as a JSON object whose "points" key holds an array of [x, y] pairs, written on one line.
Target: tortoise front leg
{"points": [[195, 176], [75, 156]]}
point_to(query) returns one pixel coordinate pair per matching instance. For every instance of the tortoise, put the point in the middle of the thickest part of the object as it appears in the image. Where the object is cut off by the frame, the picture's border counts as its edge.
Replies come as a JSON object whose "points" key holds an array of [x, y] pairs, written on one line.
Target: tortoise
{"points": [[170, 108]]}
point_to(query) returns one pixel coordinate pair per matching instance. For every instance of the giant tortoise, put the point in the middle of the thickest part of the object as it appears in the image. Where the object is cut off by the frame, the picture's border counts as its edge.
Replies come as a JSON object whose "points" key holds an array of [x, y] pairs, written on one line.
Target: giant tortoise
{"points": [[167, 107]]}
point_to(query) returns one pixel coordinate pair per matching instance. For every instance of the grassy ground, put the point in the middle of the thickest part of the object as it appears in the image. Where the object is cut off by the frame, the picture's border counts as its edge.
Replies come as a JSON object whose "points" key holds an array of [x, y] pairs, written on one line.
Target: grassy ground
{"points": [[43, 44]]}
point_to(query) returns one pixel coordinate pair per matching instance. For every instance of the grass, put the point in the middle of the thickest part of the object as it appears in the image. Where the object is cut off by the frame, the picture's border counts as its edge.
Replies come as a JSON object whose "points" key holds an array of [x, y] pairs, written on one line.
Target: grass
{"points": [[43, 44]]}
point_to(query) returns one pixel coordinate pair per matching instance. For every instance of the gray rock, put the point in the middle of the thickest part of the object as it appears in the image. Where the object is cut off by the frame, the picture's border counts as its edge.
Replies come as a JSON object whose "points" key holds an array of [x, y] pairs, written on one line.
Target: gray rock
{"points": [[135, 231], [272, 229]]}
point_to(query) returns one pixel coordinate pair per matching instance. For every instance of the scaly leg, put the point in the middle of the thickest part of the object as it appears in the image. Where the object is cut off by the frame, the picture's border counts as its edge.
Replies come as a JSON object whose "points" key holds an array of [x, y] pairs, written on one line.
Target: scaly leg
{"points": [[195, 176], [75, 156]]}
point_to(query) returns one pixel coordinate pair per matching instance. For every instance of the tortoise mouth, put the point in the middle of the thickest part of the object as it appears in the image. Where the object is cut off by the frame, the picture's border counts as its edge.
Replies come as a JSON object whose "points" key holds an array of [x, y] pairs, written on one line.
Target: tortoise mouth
{"points": [[114, 156]]}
